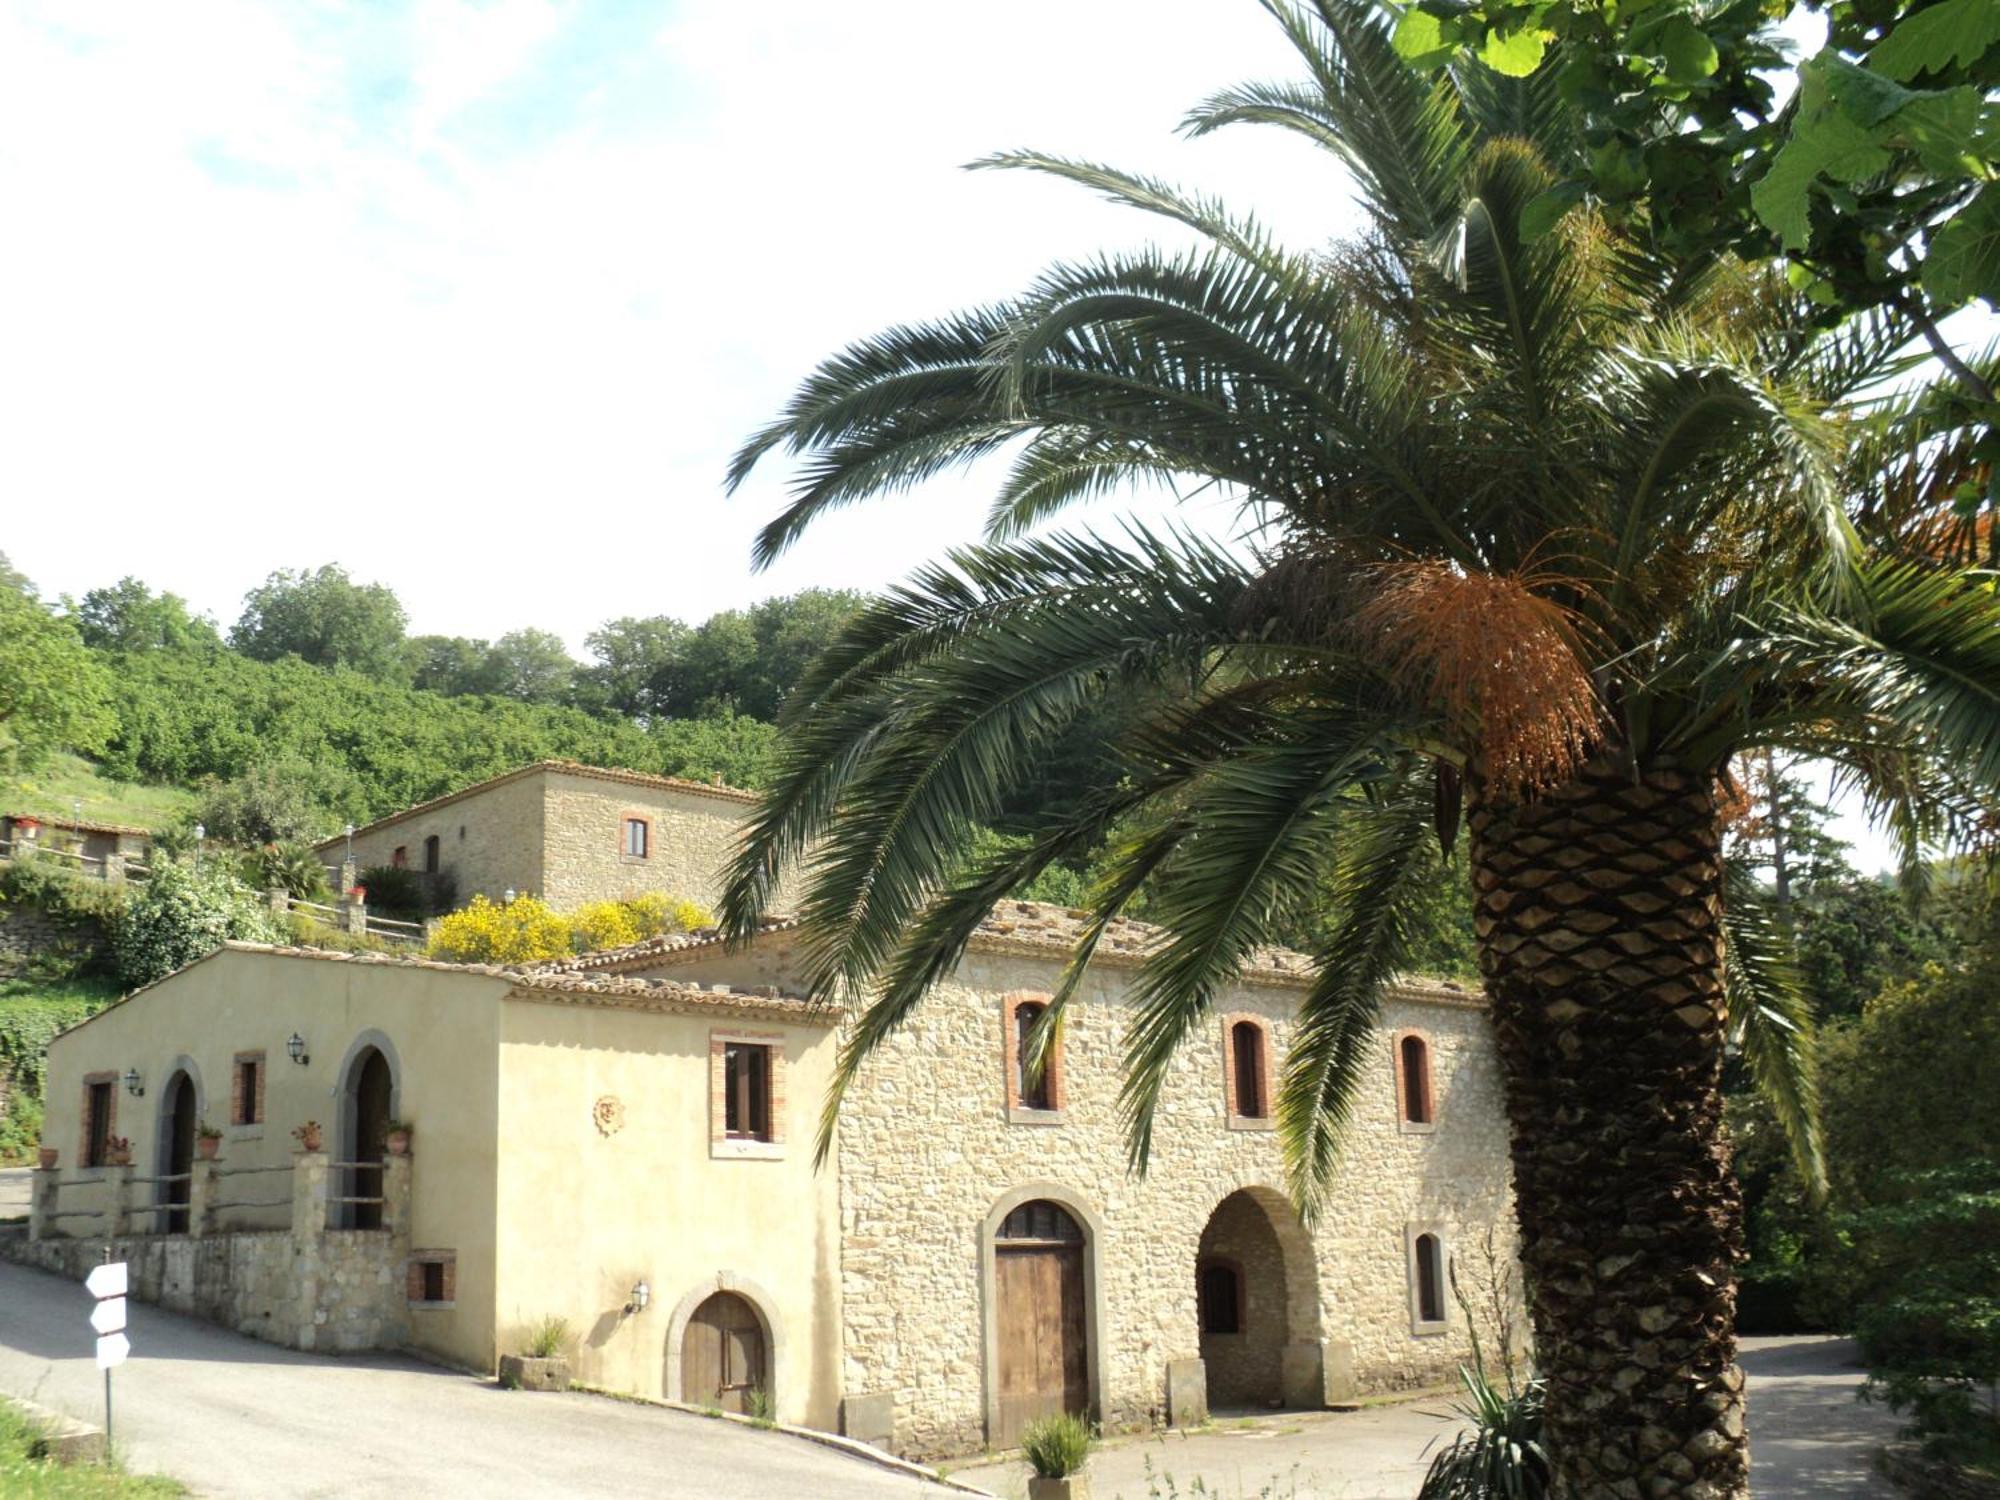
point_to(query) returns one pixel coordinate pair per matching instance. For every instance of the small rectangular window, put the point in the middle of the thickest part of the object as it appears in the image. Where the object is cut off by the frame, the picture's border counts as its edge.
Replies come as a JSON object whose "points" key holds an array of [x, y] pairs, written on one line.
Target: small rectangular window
{"points": [[431, 855], [635, 838], [433, 1281], [401, 857], [746, 1085], [98, 1114], [248, 1072], [433, 1278]]}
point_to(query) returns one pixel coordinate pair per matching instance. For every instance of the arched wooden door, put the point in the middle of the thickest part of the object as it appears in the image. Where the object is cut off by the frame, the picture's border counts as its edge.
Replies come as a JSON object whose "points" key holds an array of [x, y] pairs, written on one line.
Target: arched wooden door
{"points": [[1043, 1359], [179, 1163], [723, 1358], [370, 1142]]}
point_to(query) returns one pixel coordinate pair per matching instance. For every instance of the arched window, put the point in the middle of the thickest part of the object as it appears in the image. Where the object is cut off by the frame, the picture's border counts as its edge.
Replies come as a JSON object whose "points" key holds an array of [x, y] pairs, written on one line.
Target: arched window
{"points": [[1430, 1279], [1030, 1090], [1413, 1068], [1249, 1070], [1043, 1222], [1219, 1290]]}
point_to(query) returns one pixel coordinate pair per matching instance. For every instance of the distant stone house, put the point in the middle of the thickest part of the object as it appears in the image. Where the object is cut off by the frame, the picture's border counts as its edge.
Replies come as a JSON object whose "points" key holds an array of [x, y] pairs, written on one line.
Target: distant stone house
{"points": [[566, 832], [626, 1140], [96, 847]]}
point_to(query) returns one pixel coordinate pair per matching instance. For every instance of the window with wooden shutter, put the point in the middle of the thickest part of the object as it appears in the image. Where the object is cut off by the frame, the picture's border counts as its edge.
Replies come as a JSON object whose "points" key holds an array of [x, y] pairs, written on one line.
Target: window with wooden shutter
{"points": [[746, 1082]]}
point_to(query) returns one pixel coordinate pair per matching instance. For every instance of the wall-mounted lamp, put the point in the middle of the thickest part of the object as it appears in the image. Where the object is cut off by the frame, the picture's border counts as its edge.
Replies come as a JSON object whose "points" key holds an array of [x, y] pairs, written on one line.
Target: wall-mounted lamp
{"points": [[134, 1085], [508, 894], [641, 1295], [295, 1049]]}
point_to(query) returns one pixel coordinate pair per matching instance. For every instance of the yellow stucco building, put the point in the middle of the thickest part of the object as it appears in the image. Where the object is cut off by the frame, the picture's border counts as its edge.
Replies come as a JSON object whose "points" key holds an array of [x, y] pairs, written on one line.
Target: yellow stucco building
{"points": [[625, 1141]]}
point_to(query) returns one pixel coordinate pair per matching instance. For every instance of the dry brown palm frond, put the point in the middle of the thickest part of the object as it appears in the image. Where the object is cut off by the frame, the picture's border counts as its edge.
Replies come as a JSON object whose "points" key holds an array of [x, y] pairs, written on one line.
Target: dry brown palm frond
{"points": [[1498, 658]]}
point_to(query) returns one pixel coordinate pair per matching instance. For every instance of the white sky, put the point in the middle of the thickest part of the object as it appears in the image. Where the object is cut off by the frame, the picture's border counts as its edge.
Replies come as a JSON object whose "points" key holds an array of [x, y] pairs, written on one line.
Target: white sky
{"points": [[477, 299]]}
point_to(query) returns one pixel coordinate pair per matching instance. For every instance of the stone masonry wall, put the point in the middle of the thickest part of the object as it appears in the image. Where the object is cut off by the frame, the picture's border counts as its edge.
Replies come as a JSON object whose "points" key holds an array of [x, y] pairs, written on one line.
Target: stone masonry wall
{"points": [[488, 843], [926, 1149], [692, 836]]}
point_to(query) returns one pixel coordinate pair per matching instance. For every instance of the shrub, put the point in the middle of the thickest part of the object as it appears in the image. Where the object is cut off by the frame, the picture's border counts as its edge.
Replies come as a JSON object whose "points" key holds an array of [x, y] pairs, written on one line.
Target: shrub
{"points": [[292, 868], [655, 914], [1056, 1447], [62, 894], [394, 888], [547, 1338], [265, 804], [525, 930], [180, 915], [603, 924]]}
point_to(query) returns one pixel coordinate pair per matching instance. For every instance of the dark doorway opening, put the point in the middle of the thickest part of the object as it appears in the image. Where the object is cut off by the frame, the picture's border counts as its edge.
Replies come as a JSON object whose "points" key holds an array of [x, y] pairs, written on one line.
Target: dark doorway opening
{"points": [[177, 1166], [370, 1088]]}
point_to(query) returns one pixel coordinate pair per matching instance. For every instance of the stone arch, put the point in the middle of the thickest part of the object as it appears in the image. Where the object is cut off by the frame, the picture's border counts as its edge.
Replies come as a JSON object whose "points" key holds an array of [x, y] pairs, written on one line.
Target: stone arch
{"points": [[346, 1121], [1275, 1356], [760, 1301], [173, 1144], [1095, 1321]]}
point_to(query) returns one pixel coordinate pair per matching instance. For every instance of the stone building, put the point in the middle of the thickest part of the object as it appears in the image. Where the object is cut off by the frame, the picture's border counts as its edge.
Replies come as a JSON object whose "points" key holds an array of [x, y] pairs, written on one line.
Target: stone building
{"points": [[973, 1253], [566, 832], [97, 849]]}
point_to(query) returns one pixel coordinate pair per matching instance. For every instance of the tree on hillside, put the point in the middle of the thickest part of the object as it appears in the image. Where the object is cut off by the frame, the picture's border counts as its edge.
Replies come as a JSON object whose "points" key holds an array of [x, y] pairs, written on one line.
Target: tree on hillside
{"points": [[632, 673], [322, 617], [448, 664], [1547, 534], [749, 660], [530, 665], [53, 692], [129, 616]]}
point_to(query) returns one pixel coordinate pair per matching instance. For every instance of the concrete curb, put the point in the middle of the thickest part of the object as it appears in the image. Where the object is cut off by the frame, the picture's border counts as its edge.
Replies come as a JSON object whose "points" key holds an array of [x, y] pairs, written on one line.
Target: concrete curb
{"points": [[66, 1439], [852, 1447]]}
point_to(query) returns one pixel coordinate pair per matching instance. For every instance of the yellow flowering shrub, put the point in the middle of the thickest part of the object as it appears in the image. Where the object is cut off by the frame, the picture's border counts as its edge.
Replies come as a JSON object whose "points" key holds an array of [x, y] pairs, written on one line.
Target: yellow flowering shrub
{"points": [[604, 924], [527, 929], [486, 932]]}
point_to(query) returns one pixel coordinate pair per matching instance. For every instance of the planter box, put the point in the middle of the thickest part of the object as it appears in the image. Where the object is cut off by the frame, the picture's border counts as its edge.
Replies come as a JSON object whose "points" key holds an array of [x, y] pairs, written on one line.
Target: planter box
{"points": [[1075, 1487], [520, 1372]]}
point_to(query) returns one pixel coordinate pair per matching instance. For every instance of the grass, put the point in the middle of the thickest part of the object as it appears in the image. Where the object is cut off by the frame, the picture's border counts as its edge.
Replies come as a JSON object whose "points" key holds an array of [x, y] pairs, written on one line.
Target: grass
{"points": [[65, 780], [26, 1476], [547, 1338]]}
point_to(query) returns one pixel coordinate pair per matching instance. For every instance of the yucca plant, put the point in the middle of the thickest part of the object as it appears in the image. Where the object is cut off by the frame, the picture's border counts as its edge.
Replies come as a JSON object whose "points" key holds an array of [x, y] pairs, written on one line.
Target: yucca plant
{"points": [[1499, 1456], [1056, 1447], [1545, 534]]}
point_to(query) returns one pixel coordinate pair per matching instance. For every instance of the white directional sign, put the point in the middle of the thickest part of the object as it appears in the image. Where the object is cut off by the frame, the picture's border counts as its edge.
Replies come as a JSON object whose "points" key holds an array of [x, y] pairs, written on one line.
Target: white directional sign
{"points": [[108, 1316], [111, 1350], [107, 1280]]}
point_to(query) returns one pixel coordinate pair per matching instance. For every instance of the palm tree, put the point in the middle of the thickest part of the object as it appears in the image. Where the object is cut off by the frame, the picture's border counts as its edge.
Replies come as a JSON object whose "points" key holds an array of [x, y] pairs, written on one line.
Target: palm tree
{"points": [[1545, 533]]}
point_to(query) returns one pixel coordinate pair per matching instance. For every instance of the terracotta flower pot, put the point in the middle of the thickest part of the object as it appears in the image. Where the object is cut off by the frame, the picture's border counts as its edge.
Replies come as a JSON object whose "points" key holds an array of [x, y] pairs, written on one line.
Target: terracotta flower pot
{"points": [[206, 1146], [48, 1158], [308, 1140], [399, 1143], [118, 1158]]}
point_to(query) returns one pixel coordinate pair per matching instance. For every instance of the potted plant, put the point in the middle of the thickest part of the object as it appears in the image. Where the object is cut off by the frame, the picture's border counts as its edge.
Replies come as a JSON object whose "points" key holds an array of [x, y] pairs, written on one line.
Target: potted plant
{"points": [[541, 1365], [48, 1158], [207, 1141], [398, 1138], [1057, 1448], [307, 1135], [117, 1151]]}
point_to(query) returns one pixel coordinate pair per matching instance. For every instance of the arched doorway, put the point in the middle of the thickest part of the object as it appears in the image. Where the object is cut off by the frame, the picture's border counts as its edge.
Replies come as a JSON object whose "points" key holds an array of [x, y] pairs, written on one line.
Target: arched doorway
{"points": [[1041, 1322], [180, 1111], [1257, 1299], [368, 1104], [724, 1355]]}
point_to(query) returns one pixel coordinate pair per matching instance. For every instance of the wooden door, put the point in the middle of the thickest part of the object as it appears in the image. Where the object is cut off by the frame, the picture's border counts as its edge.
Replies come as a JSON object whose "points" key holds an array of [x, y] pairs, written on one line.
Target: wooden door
{"points": [[722, 1354], [180, 1153], [1043, 1355], [371, 1137]]}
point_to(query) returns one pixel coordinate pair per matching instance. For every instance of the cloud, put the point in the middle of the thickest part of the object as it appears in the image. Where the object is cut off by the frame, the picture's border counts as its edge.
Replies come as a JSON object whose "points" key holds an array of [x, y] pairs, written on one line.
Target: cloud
{"points": [[477, 299]]}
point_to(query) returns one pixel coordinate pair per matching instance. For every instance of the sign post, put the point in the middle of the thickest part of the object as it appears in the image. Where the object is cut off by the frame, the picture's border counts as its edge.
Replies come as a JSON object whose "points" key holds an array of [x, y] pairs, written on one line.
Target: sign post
{"points": [[107, 1283]]}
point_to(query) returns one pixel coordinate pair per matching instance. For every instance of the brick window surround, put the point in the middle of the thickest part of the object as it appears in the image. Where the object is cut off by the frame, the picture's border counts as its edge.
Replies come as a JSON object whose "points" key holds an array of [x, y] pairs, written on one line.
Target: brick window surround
{"points": [[1053, 1083], [1256, 1113], [431, 1278], [720, 1142], [635, 837], [1416, 1100], [84, 1156], [242, 1110]]}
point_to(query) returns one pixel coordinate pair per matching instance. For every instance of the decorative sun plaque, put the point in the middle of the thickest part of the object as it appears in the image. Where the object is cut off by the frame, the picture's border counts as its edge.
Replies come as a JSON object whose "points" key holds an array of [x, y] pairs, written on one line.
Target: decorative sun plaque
{"points": [[609, 1113]]}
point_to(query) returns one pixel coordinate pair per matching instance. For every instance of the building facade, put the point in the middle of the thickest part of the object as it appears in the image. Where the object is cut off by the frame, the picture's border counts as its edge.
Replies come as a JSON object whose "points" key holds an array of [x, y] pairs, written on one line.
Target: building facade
{"points": [[565, 832], [625, 1140]]}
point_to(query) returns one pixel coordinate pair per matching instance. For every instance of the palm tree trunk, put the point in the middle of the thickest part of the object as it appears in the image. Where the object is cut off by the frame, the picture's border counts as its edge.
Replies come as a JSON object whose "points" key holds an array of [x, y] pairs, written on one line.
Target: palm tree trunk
{"points": [[1598, 910]]}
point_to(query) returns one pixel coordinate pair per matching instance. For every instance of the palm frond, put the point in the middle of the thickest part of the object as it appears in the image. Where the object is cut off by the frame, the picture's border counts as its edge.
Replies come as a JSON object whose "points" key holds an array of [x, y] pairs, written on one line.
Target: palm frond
{"points": [[1770, 1018]]}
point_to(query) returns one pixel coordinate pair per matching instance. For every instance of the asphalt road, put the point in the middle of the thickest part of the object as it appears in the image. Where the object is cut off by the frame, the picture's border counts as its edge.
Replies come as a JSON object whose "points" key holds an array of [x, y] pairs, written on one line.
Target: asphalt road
{"points": [[1809, 1440], [230, 1416]]}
